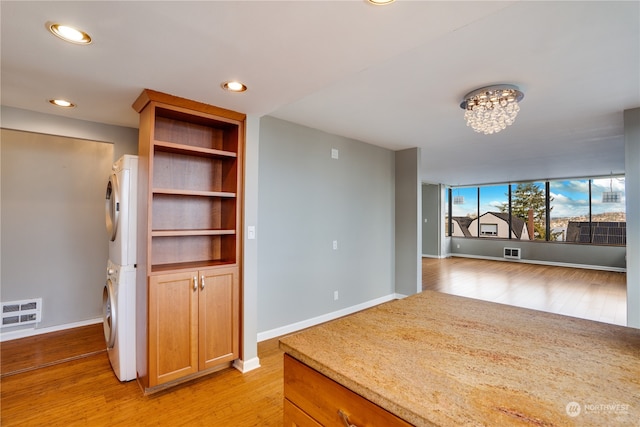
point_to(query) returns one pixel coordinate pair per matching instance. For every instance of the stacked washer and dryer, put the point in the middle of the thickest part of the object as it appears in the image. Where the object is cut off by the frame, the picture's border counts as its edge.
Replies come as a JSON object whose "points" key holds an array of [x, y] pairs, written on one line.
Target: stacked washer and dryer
{"points": [[119, 294]]}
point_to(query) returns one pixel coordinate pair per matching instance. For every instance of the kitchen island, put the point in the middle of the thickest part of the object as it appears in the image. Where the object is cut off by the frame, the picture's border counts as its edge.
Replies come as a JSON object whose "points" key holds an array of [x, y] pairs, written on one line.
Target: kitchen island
{"points": [[437, 359]]}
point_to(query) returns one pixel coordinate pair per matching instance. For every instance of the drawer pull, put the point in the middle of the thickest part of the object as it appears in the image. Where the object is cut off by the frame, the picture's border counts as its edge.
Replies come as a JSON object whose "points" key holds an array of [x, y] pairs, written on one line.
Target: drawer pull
{"points": [[345, 419]]}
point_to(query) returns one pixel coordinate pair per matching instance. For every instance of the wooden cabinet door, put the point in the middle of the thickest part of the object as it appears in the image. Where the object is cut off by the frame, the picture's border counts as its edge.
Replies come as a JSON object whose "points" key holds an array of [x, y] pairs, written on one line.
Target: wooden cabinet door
{"points": [[219, 316], [173, 326]]}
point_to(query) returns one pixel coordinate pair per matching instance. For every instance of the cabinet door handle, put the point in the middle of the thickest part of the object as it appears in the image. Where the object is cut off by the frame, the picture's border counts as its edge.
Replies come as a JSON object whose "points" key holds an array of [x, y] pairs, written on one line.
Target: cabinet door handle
{"points": [[345, 419], [195, 283], [202, 282]]}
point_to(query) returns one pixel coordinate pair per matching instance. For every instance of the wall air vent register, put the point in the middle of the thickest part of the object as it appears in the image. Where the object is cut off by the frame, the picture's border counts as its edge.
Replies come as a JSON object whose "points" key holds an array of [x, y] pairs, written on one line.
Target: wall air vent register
{"points": [[512, 253], [16, 313]]}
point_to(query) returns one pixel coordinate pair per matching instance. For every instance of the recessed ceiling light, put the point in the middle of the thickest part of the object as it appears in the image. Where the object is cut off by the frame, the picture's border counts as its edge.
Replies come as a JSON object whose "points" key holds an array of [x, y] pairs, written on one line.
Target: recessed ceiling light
{"points": [[69, 34], [234, 86], [380, 2], [62, 103]]}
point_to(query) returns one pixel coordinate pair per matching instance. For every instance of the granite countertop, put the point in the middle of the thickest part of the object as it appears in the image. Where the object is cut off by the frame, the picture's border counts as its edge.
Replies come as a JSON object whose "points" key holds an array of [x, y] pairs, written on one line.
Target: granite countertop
{"points": [[437, 359]]}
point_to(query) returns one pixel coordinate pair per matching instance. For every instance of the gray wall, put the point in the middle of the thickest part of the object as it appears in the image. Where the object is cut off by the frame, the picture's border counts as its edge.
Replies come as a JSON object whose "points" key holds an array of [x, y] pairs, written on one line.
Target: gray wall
{"points": [[54, 240], [250, 247], [306, 201], [632, 191], [408, 239], [124, 139], [431, 221], [607, 257], [52, 219]]}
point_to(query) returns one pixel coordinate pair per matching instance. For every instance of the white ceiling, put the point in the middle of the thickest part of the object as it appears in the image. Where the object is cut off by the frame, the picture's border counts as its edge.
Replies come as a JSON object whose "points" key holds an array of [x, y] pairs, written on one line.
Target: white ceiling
{"points": [[392, 76]]}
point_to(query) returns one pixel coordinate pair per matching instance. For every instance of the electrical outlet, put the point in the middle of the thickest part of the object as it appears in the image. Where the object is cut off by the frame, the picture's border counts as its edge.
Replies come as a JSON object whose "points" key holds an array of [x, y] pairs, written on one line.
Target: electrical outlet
{"points": [[335, 295], [335, 245]]}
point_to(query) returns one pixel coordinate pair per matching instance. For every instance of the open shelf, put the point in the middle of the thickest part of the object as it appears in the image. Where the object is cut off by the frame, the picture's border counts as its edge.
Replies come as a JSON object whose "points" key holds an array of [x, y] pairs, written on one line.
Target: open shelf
{"points": [[181, 172], [192, 212], [204, 249], [198, 131], [182, 232], [171, 147], [171, 191], [188, 266]]}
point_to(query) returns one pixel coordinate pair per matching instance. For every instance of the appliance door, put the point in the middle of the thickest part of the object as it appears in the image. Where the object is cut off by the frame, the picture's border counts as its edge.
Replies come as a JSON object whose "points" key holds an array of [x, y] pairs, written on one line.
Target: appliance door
{"points": [[112, 207], [110, 320]]}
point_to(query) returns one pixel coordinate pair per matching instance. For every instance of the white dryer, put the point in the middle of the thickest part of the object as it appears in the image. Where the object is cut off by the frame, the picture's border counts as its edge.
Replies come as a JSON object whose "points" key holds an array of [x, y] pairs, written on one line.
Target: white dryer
{"points": [[119, 319], [121, 210]]}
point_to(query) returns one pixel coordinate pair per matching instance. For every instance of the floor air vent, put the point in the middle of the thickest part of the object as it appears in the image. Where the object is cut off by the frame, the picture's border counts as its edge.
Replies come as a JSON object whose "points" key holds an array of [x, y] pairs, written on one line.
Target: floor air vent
{"points": [[23, 312], [512, 253]]}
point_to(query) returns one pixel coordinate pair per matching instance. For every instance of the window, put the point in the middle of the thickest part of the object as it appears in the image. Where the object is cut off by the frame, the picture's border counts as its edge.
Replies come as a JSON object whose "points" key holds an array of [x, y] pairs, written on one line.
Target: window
{"points": [[494, 211], [587, 211], [528, 207], [488, 229], [608, 211], [464, 211], [447, 227], [569, 210]]}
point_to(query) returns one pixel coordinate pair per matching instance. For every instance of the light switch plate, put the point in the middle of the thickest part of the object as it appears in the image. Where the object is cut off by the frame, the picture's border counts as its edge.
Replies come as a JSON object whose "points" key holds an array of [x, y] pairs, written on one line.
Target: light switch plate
{"points": [[334, 153]]}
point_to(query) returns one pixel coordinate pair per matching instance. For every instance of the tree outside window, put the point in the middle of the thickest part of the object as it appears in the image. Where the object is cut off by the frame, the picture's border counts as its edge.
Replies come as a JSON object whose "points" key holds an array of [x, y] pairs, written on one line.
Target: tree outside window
{"points": [[528, 203]]}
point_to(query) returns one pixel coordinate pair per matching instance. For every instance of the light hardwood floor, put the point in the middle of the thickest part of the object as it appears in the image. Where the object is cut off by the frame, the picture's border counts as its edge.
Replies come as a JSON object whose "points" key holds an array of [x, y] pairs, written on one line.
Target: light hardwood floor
{"points": [[84, 391], [64, 379], [587, 294]]}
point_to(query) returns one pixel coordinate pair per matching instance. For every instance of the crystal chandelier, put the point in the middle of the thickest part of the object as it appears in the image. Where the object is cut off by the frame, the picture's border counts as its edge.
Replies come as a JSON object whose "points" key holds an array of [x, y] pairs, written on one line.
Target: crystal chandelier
{"points": [[491, 109]]}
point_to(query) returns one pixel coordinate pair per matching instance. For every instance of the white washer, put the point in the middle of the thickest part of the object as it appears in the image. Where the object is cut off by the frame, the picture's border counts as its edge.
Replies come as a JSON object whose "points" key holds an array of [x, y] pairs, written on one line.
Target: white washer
{"points": [[119, 319], [121, 210]]}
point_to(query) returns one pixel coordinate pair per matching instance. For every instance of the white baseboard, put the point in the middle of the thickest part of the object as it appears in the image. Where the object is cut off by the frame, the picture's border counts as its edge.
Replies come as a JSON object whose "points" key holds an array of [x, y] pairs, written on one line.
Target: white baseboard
{"points": [[294, 327], [551, 263], [245, 366], [30, 332], [435, 256]]}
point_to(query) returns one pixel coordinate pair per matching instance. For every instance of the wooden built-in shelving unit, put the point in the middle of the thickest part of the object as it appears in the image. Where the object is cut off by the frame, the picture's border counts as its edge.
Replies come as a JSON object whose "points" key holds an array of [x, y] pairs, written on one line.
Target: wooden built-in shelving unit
{"points": [[190, 201]]}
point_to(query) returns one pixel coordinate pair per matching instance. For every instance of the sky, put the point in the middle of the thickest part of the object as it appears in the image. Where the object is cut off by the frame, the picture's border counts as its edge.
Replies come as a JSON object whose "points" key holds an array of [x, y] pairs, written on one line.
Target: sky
{"points": [[570, 197]]}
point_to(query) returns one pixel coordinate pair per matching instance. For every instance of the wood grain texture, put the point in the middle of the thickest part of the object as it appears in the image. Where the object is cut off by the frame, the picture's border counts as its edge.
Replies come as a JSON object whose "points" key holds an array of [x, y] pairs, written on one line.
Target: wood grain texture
{"points": [[30, 353], [576, 292], [324, 399], [85, 392], [149, 95]]}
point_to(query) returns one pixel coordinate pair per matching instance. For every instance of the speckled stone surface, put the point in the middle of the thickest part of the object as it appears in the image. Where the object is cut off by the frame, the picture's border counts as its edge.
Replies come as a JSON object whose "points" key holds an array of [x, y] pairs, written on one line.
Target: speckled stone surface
{"points": [[437, 359]]}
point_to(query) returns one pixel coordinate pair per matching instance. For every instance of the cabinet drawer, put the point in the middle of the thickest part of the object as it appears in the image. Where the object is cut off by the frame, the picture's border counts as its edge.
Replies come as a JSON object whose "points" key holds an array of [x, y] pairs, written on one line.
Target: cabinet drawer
{"points": [[322, 399], [295, 417]]}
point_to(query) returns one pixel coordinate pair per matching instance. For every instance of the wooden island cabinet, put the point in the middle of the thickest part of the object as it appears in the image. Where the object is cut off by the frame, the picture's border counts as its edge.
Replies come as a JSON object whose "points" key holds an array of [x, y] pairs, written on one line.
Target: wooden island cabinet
{"points": [[434, 359], [189, 239]]}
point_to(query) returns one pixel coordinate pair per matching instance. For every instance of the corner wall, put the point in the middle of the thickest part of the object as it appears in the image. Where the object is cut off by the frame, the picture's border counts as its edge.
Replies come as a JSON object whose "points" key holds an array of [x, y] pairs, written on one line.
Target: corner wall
{"points": [[632, 191], [308, 200], [71, 266], [432, 232], [408, 217]]}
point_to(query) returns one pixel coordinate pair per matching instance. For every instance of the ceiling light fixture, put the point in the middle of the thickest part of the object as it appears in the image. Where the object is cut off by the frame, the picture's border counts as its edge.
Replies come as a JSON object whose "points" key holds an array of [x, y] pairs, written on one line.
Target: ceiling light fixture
{"points": [[380, 2], [234, 86], [491, 109], [611, 196], [62, 103], [69, 34]]}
